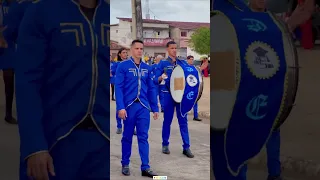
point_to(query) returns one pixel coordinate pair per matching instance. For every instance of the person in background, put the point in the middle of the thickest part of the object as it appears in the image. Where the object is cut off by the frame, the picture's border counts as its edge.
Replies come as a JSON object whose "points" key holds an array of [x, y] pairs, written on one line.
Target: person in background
{"points": [[112, 67], [121, 56], [136, 97], [11, 20], [62, 94], [190, 60], [163, 73], [160, 87], [204, 64]]}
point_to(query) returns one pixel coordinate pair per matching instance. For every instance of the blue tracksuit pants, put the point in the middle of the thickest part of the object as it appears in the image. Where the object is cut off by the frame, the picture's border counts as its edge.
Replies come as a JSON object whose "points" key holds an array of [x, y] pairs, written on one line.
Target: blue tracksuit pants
{"points": [[219, 162], [169, 107], [161, 98], [195, 111], [119, 123], [139, 117], [273, 154], [84, 154]]}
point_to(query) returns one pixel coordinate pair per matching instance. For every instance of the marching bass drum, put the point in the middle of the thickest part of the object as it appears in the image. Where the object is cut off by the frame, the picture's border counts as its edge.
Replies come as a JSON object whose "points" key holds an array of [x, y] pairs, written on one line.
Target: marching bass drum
{"points": [[226, 74], [291, 57], [178, 73]]}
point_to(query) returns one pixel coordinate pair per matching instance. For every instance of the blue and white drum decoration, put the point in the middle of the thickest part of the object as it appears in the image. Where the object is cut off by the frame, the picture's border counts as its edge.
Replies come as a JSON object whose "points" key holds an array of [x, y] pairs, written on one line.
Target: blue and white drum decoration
{"points": [[254, 78], [186, 86]]}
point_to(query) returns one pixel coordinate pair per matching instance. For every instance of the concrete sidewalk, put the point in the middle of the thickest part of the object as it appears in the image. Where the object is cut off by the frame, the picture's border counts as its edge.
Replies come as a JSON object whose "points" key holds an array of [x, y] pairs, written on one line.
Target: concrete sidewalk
{"points": [[300, 146]]}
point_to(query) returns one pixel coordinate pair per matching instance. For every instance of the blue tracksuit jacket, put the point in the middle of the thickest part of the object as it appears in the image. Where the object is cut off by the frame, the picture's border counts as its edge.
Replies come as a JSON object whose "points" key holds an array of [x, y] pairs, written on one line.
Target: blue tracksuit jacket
{"points": [[113, 68], [61, 68], [128, 85]]}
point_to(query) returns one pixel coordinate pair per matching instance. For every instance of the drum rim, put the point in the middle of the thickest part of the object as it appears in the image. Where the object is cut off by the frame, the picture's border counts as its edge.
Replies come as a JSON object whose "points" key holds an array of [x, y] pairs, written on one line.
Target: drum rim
{"points": [[290, 93]]}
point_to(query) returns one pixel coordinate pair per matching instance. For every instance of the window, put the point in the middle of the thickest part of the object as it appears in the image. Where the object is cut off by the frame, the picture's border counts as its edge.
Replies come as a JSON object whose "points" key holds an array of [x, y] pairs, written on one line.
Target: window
{"points": [[183, 34]]}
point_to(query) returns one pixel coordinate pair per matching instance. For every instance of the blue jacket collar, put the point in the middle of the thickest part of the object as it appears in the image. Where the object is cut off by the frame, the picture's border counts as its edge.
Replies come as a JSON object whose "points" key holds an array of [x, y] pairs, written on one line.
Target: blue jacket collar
{"points": [[171, 61], [131, 58]]}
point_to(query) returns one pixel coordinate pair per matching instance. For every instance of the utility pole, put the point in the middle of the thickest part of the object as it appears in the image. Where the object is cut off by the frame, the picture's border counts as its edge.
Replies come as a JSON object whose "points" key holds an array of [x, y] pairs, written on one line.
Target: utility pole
{"points": [[137, 29]]}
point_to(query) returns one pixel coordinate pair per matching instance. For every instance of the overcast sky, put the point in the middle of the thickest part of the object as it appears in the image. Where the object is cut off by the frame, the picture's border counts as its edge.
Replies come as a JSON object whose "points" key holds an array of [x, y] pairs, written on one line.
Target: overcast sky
{"points": [[170, 10]]}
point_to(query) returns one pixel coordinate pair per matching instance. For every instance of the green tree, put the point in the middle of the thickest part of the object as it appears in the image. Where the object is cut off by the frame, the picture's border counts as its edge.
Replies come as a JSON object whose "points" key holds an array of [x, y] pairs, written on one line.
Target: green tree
{"points": [[200, 41]]}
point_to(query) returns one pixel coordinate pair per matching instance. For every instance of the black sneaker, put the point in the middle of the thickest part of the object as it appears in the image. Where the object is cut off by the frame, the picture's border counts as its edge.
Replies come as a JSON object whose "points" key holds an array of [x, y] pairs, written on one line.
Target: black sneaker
{"points": [[126, 170], [165, 150], [197, 119], [135, 132], [148, 173], [188, 153], [274, 178], [119, 130], [11, 120]]}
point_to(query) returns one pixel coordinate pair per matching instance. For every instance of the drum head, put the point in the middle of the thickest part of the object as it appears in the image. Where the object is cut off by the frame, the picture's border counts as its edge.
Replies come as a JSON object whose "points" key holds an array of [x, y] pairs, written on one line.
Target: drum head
{"points": [[226, 71], [177, 84]]}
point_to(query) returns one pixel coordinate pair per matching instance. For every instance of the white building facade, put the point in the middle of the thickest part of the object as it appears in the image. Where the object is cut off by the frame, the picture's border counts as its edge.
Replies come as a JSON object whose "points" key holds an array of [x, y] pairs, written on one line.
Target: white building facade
{"points": [[156, 34]]}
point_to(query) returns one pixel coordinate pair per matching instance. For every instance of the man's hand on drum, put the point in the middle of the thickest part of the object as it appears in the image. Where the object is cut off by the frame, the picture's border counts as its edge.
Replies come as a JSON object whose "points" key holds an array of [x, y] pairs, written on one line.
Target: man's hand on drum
{"points": [[3, 42], [155, 115], [122, 114]]}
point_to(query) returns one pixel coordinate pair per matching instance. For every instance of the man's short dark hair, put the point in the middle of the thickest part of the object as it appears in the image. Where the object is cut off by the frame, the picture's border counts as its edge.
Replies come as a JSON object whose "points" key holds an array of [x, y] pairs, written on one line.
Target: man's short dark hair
{"points": [[189, 57], [170, 42], [136, 41]]}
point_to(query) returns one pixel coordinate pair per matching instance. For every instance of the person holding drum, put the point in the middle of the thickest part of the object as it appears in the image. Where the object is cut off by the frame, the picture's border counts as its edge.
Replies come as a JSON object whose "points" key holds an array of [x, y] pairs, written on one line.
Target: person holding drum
{"points": [[190, 60], [136, 97], [163, 74], [273, 144]]}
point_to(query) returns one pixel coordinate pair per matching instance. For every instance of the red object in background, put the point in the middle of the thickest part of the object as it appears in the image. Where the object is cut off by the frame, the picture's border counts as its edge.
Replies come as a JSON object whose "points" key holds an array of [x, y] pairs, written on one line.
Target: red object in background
{"points": [[306, 33], [206, 72]]}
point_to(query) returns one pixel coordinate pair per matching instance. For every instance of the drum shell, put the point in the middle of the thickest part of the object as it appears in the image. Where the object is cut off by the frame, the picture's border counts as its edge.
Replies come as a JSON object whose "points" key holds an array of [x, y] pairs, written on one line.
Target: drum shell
{"points": [[292, 71]]}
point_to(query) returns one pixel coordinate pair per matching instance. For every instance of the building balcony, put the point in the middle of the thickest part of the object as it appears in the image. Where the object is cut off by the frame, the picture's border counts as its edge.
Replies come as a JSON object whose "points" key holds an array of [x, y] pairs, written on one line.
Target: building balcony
{"points": [[156, 42]]}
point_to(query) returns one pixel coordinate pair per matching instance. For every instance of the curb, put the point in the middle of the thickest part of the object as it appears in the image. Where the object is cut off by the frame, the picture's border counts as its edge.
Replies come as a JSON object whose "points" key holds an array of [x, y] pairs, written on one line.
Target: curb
{"points": [[202, 114], [304, 167]]}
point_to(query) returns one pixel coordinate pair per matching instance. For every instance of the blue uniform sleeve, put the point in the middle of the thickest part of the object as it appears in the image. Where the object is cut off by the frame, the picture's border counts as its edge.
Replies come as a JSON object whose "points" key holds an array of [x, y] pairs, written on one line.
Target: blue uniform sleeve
{"points": [[152, 92], [32, 51], [119, 86], [114, 69], [12, 21], [158, 72]]}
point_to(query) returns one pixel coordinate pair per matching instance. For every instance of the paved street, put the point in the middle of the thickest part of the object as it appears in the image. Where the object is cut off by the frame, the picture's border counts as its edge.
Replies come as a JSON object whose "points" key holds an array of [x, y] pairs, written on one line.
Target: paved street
{"points": [[175, 166]]}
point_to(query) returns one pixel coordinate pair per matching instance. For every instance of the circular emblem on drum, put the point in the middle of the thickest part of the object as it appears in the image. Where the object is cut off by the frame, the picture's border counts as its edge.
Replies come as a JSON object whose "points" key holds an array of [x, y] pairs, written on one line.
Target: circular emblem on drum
{"points": [[262, 60], [192, 80]]}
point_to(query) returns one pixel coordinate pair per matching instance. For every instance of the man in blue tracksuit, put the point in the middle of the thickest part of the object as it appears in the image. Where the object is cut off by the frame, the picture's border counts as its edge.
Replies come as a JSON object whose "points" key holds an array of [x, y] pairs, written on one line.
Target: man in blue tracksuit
{"points": [[159, 86], [163, 73], [195, 107], [135, 97], [13, 14], [112, 73], [63, 91]]}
